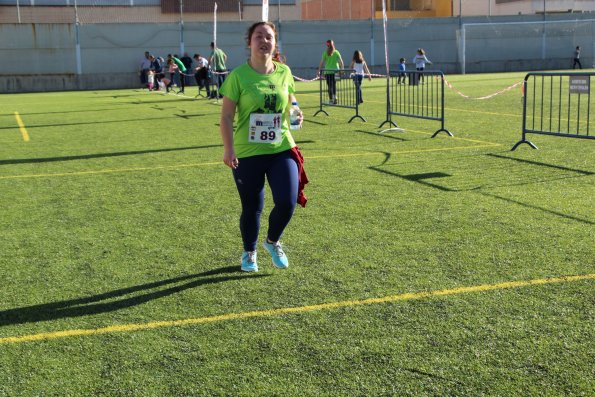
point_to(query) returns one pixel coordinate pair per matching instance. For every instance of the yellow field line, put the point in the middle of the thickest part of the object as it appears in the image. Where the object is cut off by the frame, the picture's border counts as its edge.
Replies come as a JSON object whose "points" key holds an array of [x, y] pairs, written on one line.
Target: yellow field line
{"points": [[288, 310], [22, 128], [400, 152], [458, 138], [117, 170]]}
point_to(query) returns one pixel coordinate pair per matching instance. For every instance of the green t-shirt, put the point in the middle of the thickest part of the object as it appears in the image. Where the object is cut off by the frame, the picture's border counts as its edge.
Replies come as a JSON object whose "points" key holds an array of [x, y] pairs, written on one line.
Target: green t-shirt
{"points": [[218, 60], [180, 64], [259, 93], [331, 61]]}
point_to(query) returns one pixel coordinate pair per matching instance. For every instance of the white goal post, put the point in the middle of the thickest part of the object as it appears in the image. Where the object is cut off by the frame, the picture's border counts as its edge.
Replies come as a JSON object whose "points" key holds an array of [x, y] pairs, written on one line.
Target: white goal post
{"points": [[493, 46]]}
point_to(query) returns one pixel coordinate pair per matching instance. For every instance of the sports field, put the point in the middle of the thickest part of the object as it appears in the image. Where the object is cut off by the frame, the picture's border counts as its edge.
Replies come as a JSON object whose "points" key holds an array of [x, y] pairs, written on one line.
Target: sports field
{"points": [[446, 266]]}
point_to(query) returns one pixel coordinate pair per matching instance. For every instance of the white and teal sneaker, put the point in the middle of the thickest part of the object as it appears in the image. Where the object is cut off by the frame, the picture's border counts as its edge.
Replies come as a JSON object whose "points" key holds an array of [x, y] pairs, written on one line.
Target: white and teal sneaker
{"points": [[249, 261], [279, 258]]}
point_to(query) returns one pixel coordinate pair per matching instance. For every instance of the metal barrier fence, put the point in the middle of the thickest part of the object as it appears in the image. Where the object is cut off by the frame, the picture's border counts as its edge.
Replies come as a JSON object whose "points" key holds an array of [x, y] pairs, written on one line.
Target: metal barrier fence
{"points": [[418, 94], [340, 88], [557, 104]]}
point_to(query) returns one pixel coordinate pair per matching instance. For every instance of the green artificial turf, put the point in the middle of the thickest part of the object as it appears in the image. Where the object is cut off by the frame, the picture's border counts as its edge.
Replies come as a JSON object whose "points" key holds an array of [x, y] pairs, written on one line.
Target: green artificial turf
{"points": [[119, 211]]}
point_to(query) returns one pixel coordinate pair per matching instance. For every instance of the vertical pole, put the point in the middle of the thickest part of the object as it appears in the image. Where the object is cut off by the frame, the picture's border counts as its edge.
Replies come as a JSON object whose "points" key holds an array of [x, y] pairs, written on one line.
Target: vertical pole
{"points": [[543, 34], [386, 61], [320, 88], [442, 98], [182, 29], [588, 106], [560, 104], [265, 10], [461, 37], [593, 44], [463, 49], [460, 13], [18, 12], [280, 43], [372, 55], [524, 122], [215, 25], [79, 68]]}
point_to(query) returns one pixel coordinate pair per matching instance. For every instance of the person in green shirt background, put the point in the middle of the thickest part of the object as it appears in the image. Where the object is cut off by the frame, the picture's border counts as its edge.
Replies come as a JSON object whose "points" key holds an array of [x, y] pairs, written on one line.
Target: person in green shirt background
{"points": [[217, 61], [174, 60], [260, 93], [331, 60]]}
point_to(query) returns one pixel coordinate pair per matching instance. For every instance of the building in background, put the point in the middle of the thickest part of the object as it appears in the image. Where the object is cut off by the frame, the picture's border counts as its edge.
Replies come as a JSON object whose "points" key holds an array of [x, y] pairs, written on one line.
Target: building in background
{"points": [[166, 11]]}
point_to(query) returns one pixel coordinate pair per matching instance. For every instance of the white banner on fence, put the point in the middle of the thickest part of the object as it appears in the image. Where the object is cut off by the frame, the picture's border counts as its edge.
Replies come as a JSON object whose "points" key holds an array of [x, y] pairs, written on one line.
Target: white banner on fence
{"points": [[265, 10]]}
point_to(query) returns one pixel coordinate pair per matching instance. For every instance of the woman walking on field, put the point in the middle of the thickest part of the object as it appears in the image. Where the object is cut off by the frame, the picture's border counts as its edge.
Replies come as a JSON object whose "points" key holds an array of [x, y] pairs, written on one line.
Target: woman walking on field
{"points": [[261, 92]]}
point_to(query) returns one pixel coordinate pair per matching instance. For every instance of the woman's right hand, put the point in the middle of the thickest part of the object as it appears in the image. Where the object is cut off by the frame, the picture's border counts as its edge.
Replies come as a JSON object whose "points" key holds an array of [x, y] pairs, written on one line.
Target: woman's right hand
{"points": [[230, 159]]}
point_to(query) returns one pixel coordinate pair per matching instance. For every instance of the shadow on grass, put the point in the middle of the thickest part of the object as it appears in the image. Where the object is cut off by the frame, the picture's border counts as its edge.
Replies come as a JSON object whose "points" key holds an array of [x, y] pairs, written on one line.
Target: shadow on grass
{"points": [[381, 135], [100, 155], [536, 207], [314, 122], [422, 179], [91, 305], [419, 178], [557, 167]]}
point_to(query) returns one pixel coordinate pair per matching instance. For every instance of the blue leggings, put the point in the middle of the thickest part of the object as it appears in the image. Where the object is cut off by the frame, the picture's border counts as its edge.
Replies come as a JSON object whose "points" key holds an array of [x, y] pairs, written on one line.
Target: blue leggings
{"points": [[281, 172]]}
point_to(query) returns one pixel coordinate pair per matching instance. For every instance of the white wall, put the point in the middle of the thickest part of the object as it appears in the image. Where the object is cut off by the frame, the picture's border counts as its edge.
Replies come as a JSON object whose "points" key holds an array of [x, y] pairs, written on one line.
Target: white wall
{"points": [[111, 53]]}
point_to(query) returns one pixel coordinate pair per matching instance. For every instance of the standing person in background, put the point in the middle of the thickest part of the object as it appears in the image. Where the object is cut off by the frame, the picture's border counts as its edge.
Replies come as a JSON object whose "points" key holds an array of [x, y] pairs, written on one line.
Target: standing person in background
{"points": [[145, 66], [358, 63], [150, 80], [402, 70], [156, 64], [576, 60], [172, 69], [420, 61], [181, 69], [156, 68], [201, 74], [187, 61], [217, 61], [332, 62], [261, 92]]}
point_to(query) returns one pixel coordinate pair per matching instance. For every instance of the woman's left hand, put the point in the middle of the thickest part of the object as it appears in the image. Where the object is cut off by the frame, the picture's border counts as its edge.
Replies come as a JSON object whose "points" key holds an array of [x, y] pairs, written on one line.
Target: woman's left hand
{"points": [[301, 117]]}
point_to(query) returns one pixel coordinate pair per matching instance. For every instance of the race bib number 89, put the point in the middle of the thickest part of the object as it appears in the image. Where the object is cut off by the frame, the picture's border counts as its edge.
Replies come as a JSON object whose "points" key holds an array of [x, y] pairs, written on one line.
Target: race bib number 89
{"points": [[265, 128]]}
